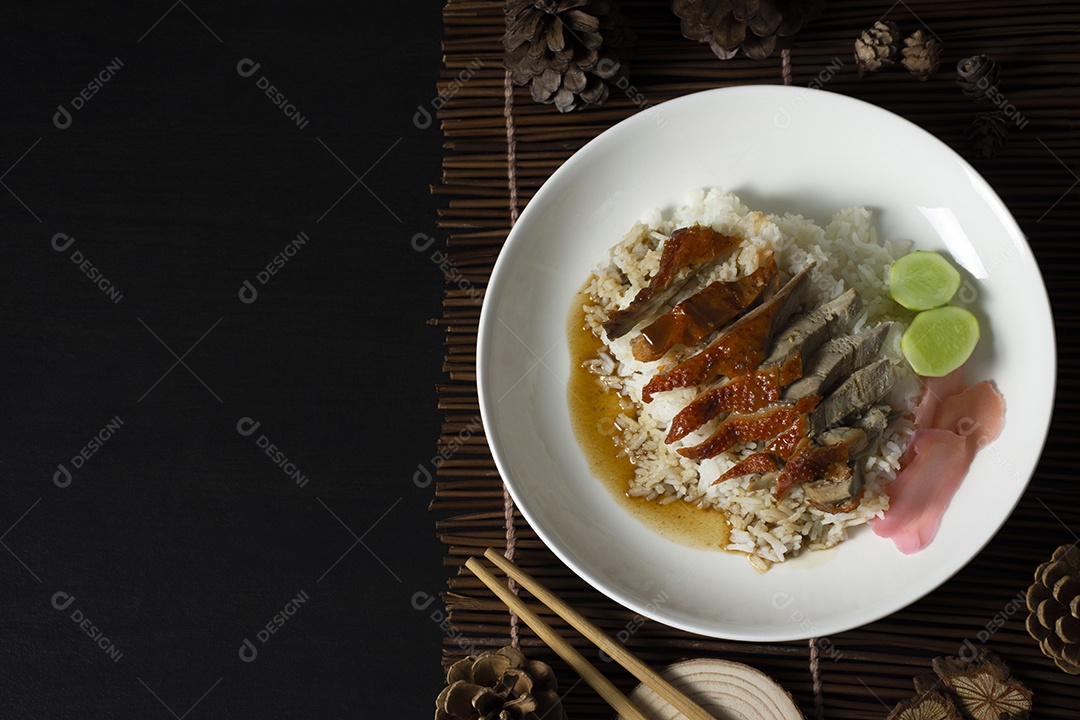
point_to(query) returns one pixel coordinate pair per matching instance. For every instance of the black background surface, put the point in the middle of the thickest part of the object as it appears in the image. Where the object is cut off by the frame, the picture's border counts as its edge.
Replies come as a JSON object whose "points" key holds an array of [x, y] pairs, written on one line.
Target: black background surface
{"points": [[179, 538]]}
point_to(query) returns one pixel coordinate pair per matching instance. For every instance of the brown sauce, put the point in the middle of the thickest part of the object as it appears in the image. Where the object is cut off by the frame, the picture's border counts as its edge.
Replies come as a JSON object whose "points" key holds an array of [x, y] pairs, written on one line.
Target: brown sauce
{"points": [[593, 410]]}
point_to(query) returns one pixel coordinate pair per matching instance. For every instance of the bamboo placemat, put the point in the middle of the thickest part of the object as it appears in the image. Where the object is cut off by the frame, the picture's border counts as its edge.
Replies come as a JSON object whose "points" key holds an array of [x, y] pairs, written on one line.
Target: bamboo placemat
{"points": [[865, 671]]}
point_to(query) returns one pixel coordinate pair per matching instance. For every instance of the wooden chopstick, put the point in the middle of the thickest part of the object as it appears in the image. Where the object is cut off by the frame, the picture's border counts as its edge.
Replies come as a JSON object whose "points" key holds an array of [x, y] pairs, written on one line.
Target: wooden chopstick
{"points": [[614, 649], [588, 672]]}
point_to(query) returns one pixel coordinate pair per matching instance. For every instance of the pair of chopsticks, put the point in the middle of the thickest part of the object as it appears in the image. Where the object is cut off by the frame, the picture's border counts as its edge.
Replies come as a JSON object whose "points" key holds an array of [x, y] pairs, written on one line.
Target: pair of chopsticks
{"points": [[588, 672]]}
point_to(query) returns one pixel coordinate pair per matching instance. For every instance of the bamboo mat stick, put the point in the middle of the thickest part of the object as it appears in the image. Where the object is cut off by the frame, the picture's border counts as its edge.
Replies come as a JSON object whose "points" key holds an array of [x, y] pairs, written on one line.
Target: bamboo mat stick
{"points": [[601, 639], [588, 672]]}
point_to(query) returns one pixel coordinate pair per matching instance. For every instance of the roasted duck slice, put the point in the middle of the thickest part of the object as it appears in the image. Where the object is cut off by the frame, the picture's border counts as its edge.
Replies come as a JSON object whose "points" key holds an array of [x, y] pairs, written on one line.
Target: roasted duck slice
{"points": [[685, 252], [742, 394], [756, 464], [843, 492], [837, 495], [738, 428], [874, 423], [811, 462], [705, 311], [837, 358], [740, 347], [785, 443], [861, 390], [809, 330]]}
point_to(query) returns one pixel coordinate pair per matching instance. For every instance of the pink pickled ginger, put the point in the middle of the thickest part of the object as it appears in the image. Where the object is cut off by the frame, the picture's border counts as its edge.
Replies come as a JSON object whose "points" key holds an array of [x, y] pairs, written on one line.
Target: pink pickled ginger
{"points": [[951, 425]]}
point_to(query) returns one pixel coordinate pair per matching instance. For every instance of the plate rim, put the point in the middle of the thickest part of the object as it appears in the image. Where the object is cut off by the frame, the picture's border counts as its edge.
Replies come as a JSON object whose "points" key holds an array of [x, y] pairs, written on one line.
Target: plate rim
{"points": [[485, 328]]}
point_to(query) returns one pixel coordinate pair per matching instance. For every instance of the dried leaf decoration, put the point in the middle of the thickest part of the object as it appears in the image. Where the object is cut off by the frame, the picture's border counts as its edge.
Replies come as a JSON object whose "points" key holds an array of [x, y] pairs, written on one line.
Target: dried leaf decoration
{"points": [[927, 706], [984, 689]]}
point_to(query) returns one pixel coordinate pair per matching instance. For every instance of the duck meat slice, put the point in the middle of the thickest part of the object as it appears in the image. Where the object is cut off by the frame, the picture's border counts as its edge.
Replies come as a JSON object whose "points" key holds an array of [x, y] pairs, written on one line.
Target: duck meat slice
{"points": [[861, 390], [704, 312], [874, 422], [740, 347], [854, 438], [742, 394], [837, 495], [787, 442], [837, 358], [685, 252], [863, 435], [756, 464], [813, 462], [809, 330], [738, 428], [843, 494]]}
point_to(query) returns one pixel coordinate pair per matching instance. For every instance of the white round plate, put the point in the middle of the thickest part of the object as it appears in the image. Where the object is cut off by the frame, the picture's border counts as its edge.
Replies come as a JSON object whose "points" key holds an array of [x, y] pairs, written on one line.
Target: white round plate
{"points": [[781, 149]]}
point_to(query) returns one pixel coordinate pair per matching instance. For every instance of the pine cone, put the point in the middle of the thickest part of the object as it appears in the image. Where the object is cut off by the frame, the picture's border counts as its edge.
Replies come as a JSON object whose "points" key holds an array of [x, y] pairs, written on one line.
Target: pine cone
{"points": [[876, 48], [922, 55], [566, 50], [988, 133], [499, 685], [1054, 602], [976, 75], [754, 26]]}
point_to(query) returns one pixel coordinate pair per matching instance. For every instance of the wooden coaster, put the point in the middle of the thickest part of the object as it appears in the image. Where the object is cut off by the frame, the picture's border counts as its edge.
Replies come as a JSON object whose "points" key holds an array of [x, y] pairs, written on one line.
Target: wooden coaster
{"points": [[728, 690]]}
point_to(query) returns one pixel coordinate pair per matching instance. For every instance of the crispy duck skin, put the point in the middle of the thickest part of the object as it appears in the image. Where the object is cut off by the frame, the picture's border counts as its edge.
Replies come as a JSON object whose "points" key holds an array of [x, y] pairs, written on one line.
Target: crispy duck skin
{"points": [[742, 394], [835, 489], [684, 253], [739, 348], [760, 425], [837, 495], [756, 464], [705, 311], [810, 462], [785, 443]]}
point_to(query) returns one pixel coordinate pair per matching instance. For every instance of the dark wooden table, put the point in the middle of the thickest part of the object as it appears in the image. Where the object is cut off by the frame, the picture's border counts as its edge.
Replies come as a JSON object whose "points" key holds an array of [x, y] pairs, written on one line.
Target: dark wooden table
{"points": [[219, 380]]}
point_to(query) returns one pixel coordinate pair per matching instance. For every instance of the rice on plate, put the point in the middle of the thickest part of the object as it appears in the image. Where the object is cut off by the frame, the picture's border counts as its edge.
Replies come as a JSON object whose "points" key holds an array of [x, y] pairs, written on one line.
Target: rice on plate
{"points": [[845, 254]]}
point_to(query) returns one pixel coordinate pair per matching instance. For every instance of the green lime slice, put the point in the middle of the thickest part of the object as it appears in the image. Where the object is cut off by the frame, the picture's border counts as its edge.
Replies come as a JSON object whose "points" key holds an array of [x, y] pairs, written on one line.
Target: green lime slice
{"points": [[922, 280], [940, 340]]}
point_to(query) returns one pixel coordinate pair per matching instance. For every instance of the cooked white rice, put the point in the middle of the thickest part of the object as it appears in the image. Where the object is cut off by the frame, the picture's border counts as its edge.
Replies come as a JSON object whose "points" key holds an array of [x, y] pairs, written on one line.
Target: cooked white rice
{"points": [[847, 253]]}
